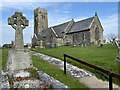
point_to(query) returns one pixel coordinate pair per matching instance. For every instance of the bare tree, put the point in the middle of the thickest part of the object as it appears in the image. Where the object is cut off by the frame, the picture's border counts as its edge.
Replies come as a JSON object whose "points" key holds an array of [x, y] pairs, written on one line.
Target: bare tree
{"points": [[111, 37]]}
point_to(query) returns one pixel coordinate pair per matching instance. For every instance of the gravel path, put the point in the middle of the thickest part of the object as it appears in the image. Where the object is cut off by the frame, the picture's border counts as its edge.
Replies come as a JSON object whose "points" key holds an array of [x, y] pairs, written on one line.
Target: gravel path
{"points": [[84, 76]]}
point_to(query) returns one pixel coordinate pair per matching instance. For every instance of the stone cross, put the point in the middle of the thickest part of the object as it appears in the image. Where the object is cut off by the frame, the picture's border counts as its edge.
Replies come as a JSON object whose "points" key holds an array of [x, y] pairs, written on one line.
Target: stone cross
{"points": [[18, 22]]}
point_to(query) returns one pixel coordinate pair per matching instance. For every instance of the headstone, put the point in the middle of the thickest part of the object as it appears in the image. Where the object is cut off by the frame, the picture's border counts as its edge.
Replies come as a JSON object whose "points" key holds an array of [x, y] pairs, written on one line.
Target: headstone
{"points": [[18, 58], [118, 45]]}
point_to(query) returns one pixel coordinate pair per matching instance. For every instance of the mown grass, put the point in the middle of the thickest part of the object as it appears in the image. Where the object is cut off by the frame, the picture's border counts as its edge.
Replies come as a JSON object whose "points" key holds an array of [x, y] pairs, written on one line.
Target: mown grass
{"points": [[103, 57], [57, 73], [49, 69]]}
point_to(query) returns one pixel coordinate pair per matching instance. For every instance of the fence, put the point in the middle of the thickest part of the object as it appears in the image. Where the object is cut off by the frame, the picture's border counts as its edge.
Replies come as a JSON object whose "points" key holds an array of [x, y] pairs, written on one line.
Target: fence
{"points": [[107, 72]]}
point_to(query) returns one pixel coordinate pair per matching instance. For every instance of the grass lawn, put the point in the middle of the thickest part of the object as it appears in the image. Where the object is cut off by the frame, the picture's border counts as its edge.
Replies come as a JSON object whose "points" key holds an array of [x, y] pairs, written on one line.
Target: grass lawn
{"points": [[49, 69], [103, 57]]}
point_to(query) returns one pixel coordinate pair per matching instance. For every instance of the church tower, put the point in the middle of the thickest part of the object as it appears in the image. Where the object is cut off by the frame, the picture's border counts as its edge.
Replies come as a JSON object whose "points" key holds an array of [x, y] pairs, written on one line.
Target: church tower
{"points": [[40, 20]]}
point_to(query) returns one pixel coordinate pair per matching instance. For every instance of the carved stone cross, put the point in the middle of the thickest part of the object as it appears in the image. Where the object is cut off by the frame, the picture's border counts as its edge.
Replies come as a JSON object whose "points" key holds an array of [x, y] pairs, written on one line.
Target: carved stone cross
{"points": [[18, 22]]}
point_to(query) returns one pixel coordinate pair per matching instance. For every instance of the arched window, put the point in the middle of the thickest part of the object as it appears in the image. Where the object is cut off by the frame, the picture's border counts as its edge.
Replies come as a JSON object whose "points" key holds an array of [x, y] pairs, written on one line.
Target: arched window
{"points": [[97, 35], [43, 16]]}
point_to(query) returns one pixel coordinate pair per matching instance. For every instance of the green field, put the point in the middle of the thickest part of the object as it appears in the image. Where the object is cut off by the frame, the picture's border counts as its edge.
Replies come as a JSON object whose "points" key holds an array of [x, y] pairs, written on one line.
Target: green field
{"points": [[103, 57]]}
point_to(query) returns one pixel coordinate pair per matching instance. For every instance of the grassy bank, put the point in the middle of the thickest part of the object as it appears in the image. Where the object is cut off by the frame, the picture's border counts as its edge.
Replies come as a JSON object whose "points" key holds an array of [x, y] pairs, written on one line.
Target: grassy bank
{"points": [[103, 57], [56, 73]]}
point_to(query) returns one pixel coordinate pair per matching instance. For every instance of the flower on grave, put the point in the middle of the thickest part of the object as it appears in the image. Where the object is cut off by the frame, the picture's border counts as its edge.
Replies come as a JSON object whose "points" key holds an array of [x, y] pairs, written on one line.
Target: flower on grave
{"points": [[19, 78]]}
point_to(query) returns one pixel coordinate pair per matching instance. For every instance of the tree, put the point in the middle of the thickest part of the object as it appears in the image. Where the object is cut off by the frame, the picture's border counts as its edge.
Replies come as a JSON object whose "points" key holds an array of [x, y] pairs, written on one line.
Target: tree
{"points": [[111, 37]]}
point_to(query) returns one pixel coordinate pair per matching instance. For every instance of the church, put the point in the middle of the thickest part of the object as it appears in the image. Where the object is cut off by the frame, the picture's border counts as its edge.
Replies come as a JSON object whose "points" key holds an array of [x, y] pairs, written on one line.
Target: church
{"points": [[81, 33]]}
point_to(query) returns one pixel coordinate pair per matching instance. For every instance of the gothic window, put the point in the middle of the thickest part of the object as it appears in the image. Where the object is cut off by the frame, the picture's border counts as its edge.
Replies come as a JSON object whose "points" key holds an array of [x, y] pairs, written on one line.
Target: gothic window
{"points": [[97, 33]]}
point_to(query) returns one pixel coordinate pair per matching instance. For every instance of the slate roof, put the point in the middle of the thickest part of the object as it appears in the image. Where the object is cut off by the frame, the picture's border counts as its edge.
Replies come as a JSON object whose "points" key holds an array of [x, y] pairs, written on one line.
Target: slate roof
{"points": [[77, 26], [81, 25], [44, 33], [59, 29]]}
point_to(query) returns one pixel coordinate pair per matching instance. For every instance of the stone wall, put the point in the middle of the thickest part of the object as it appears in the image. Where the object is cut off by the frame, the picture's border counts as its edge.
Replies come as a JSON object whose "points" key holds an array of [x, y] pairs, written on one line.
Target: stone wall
{"points": [[50, 80], [80, 38], [59, 41], [95, 35]]}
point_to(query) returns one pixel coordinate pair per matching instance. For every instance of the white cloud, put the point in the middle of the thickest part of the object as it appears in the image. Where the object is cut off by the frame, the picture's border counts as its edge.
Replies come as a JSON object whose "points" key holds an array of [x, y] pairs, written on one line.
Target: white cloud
{"points": [[19, 6], [110, 24]]}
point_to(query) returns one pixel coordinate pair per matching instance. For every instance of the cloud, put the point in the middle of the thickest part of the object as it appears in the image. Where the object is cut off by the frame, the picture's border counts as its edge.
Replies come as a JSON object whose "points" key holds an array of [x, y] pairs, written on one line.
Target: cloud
{"points": [[20, 6], [110, 24]]}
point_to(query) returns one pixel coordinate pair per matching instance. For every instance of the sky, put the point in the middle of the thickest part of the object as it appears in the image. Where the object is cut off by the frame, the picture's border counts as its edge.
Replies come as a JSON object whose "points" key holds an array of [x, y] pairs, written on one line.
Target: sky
{"points": [[58, 12]]}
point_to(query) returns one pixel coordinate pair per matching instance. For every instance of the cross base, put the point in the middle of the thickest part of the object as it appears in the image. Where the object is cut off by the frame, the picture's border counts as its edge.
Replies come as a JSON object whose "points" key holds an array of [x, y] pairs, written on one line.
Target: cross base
{"points": [[18, 59]]}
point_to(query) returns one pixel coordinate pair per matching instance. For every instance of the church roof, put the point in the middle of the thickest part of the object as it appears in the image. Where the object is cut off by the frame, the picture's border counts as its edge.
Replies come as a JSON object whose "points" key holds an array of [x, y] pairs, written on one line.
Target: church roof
{"points": [[58, 30], [44, 33], [81, 25]]}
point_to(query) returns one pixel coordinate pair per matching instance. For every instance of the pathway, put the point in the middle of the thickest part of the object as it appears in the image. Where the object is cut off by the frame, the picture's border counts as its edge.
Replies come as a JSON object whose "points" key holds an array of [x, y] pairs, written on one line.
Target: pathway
{"points": [[84, 76]]}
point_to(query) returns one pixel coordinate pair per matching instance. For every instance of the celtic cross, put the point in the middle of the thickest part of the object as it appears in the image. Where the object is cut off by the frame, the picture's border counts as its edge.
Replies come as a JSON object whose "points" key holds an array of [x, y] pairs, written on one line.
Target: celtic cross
{"points": [[18, 22]]}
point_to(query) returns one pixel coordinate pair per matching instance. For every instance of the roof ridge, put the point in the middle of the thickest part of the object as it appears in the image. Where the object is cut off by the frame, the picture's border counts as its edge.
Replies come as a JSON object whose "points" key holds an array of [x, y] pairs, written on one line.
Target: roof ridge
{"points": [[85, 19], [60, 24]]}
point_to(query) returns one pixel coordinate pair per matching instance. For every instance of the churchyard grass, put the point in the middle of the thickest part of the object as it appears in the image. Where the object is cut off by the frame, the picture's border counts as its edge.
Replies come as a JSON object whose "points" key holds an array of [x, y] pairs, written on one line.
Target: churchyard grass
{"points": [[49, 69], [4, 57], [103, 57], [57, 73]]}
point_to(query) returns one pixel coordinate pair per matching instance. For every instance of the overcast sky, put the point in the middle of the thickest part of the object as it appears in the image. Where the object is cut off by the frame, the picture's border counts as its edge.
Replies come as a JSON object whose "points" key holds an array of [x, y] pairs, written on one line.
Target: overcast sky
{"points": [[58, 12]]}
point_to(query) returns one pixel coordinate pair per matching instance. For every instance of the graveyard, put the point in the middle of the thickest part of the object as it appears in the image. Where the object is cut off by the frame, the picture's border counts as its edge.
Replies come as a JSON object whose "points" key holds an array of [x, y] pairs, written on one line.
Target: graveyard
{"points": [[43, 67], [107, 61], [50, 69], [42, 64], [104, 57]]}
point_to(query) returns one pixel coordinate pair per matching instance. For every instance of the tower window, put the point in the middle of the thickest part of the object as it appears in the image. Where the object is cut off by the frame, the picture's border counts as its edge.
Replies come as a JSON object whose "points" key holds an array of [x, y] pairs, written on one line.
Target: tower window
{"points": [[43, 16]]}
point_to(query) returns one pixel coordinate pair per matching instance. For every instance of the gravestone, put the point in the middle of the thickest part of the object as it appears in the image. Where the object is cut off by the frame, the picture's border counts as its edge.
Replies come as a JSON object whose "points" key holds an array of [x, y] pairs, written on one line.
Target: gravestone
{"points": [[18, 58], [118, 45]]}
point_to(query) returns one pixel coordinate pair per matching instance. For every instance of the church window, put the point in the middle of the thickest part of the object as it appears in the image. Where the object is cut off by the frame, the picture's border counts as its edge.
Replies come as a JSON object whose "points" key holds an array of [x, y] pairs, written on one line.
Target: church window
{"points": [[83, 36], [97, 33]]}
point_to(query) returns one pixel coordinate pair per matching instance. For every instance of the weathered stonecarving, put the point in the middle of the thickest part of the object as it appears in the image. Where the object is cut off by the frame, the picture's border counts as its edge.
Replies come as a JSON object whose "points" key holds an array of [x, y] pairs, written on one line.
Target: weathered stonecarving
{"points": [[81, 33], [18, 22], [18, 58]]}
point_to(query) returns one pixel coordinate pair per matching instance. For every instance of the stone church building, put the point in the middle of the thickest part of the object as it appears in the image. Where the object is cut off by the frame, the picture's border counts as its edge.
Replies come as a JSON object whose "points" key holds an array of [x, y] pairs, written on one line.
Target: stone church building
{"points": [[81, 33]]}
